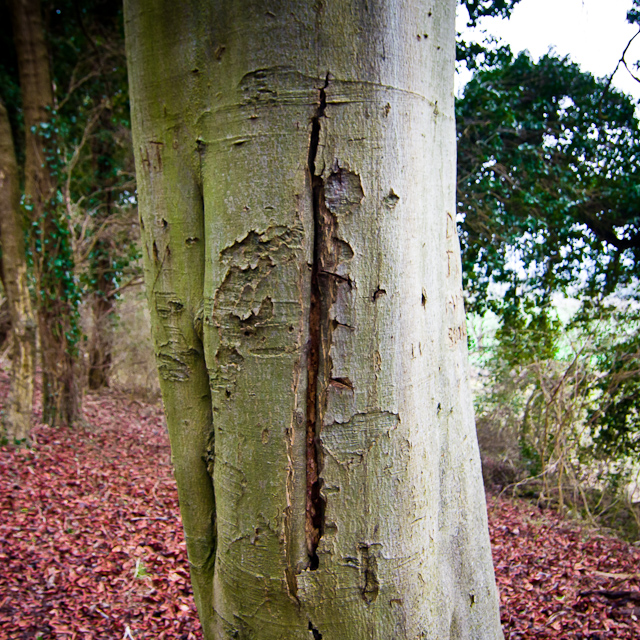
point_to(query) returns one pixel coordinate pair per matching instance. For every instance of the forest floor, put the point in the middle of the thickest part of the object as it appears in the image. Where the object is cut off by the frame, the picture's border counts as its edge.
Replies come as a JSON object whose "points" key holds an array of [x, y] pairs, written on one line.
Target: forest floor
{"points": [[91, 544]]}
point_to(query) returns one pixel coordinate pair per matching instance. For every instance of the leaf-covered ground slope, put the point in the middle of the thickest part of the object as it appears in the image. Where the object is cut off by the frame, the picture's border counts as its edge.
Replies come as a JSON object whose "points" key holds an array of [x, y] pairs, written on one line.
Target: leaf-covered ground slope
{"points": [[91, 544], [557, 580]]}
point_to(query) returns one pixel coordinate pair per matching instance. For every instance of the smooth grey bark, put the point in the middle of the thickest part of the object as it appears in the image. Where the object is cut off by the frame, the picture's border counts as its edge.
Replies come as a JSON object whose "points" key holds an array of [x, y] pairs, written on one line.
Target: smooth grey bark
{"points": [[296, 180]]}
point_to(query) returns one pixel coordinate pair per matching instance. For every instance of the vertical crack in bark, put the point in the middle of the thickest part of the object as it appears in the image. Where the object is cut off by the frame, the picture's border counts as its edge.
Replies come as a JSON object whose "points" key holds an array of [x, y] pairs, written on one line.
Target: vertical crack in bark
{"points": [[369, 568], [316, 634], [314, 522]]}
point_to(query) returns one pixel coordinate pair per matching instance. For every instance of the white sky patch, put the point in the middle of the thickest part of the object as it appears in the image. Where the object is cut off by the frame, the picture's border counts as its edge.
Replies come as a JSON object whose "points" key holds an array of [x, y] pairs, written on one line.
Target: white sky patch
{"points": [[593, 33]]}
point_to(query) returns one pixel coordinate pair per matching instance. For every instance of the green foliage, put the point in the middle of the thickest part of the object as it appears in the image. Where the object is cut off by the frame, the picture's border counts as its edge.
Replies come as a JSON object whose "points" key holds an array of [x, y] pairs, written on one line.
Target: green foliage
{"points": [[560, 406], [476, 55], [548, 198], [85, 243], [482, 8], [50, 252], [615, 419], [633, 15], [548, 186]]}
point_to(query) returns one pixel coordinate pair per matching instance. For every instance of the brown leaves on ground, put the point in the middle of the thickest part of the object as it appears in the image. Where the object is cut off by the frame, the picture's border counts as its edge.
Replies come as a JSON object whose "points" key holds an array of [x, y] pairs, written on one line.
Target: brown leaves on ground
{"points": [[557, 580], [91, 544]]}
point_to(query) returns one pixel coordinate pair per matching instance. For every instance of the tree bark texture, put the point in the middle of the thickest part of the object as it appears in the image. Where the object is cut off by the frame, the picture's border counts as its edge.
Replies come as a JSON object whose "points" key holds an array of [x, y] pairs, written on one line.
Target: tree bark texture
{"points": [[296, 180], [60, 393], [19, 405]]}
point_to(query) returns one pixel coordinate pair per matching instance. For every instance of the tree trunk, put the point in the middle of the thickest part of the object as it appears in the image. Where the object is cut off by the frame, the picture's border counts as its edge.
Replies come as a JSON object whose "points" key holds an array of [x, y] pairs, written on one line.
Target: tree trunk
{"points": [[53, 268], [103, 310], [296, 181], [19, 405], [5, 313], [101, 343], [103, 305]]}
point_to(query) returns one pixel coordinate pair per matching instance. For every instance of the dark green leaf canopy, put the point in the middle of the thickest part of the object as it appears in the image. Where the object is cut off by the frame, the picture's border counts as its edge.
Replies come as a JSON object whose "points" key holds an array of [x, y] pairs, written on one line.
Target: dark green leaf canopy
{"points": [[548, 182]]}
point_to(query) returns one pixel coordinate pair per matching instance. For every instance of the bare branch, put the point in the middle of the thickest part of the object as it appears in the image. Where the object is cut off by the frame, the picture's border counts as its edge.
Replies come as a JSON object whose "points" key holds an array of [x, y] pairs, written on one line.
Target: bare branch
{"points": [[134, 282], [623, 62]]}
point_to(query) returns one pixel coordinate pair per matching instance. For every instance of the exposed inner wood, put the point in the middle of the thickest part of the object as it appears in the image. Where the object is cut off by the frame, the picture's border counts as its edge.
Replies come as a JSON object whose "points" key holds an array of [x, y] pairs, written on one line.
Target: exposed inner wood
{"points": [[314, 501]]}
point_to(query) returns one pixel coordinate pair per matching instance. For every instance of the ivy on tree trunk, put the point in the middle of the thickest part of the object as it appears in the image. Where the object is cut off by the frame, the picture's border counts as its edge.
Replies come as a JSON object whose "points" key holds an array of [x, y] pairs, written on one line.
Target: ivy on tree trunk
{"points": [[56, 291]]}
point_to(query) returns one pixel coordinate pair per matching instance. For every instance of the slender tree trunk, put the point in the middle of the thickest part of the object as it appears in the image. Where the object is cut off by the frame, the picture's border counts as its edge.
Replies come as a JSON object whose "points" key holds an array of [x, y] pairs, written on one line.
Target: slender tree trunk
{"points": [[102, 307], [101, 343], [60, 393], [19, 405], [296, 176], [102, 302]]}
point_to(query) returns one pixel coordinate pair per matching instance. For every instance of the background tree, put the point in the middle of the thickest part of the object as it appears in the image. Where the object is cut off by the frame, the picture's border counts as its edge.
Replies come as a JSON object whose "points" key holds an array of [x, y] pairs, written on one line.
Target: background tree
{"points": [[19, 406], [97, 160], [296, 180], [50, 250], [83, 244], [548, 179], [633, 17], [547, 196]]}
